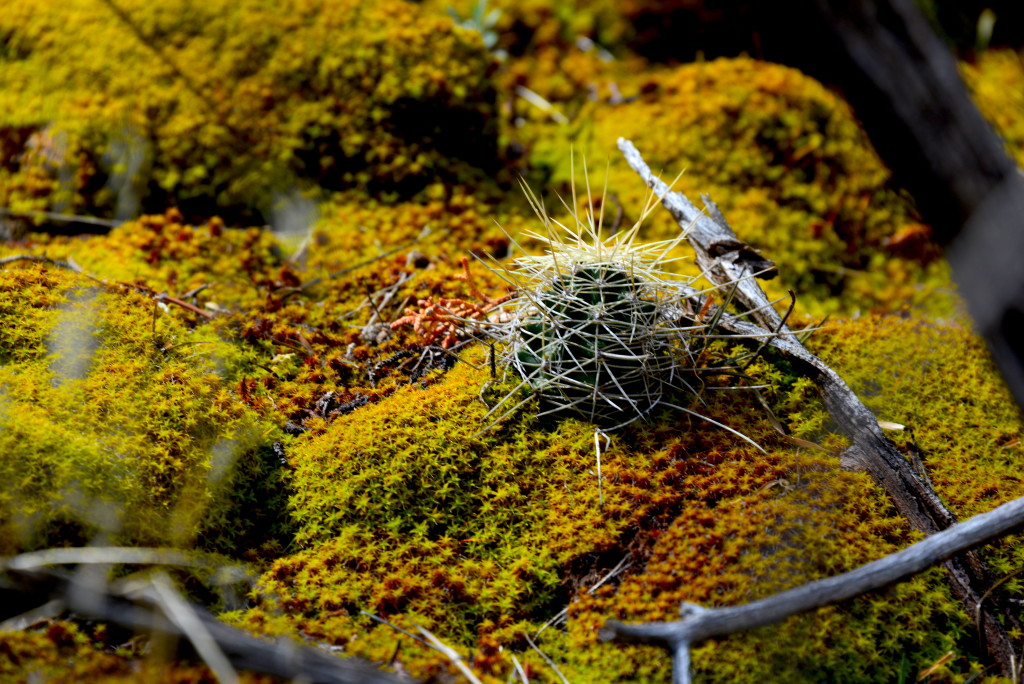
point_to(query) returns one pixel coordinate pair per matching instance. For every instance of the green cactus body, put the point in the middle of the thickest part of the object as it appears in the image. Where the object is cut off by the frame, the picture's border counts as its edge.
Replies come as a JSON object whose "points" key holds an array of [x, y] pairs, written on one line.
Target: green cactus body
{"points": [[598, 328], [590, 341]]}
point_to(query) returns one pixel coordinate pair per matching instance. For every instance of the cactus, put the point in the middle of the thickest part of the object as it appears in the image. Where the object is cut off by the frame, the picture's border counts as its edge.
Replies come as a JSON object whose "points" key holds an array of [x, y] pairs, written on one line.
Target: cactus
{"points": [[592, 341], [594, 329]]}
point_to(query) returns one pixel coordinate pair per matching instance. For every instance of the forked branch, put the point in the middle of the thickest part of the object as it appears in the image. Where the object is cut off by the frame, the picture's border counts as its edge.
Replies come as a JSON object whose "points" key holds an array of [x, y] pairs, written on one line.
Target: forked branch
{"points": [[699, 623], [724, 258]]}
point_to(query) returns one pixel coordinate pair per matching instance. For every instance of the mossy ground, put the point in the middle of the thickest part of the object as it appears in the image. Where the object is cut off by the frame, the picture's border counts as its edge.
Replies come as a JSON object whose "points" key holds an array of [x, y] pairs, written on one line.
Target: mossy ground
{"points": [[242, 391], [483, 538]]}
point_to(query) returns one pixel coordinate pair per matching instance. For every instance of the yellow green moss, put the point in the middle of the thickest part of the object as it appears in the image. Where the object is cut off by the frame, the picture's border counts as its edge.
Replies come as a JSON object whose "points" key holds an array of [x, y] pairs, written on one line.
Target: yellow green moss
{"points": [[110, 423], [445, 226], [783, 158], [938, 381], [811, 522], [238, 101], [996, 81], [164, 253], [400, 503]]}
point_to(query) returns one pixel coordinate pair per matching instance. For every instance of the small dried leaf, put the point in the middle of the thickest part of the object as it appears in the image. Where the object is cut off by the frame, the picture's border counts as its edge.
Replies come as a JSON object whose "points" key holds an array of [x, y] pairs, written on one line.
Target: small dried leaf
{"points": [[934, 668], [886, 425]]}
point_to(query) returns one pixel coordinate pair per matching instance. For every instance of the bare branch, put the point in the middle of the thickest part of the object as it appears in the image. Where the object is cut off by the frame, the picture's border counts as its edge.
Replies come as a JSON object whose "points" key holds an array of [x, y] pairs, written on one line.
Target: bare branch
{"points": [[61, 218], [547, 660], [70, 265], [706, 623], [451, 653], [726, 259], [144, 607], [186, 619]]}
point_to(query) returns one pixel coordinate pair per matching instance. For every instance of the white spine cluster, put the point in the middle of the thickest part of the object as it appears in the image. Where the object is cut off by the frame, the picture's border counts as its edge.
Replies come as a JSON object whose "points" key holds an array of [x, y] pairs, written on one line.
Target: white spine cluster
{"points": [[593, 329]]}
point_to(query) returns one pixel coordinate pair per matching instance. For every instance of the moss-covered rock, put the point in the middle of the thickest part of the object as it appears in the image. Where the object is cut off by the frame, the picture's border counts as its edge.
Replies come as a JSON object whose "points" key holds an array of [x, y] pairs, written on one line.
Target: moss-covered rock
{"points": [[961, 421], [785, 160], [410, 513], [165, 253], [524, 28], [287, 324], [995, 80], [137, 419], [214, 107]]}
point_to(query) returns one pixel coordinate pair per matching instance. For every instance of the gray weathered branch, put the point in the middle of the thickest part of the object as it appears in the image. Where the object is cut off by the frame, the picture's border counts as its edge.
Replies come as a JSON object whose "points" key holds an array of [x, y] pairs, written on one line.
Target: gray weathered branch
{"points": [[725, 260], [153, 606], [698, 623]]}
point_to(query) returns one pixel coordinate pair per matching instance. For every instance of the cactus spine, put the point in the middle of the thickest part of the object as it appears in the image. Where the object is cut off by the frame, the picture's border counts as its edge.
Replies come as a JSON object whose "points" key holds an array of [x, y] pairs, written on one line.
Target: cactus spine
{"points": [[591, 330], [595, 327]]}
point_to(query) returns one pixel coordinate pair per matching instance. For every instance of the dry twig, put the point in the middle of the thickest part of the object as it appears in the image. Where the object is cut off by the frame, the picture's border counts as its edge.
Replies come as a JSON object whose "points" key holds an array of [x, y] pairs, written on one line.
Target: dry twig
{"points": [[446, 319], [69, 264], [698, 624], [74, 267], [61, 218], [451, 653], [147, 607], [726, 259]]}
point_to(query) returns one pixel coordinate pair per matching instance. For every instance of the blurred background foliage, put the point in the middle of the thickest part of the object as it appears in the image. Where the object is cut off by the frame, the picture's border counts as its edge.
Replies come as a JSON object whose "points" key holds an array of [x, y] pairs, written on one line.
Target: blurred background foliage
{"points": [[257, 190]]}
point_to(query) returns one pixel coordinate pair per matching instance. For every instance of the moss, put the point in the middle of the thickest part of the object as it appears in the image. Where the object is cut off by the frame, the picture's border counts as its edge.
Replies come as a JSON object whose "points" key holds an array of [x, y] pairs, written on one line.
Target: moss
{"points": [[405, 511], [289, 327], [906, 379], [408, 513], [387, 495], [524, 28], [109, 426], [442, 227], [810, 522], [242, 101], [47, 653], [165, 253], [996, 81], [938, 380], [785, 160]]}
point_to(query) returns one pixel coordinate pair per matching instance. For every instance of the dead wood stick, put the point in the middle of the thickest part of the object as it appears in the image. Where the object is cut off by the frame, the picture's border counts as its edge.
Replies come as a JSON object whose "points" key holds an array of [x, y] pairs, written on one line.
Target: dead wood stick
{"points": [[209, 315], [69, 264], [726, 259], [72, 266], [61, 218], [699, 623], [141, 606]]}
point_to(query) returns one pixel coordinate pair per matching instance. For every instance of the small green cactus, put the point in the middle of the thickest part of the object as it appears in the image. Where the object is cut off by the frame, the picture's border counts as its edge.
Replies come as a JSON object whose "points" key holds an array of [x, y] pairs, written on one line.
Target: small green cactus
{"points": [[595, 328], [592, 342]]}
